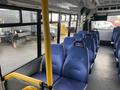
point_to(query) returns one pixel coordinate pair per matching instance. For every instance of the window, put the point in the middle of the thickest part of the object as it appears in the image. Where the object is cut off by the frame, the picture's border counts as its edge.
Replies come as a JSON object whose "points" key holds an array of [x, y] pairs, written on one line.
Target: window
{"points": [[64, 28], [9, 16], [67, 18], [50, 16], [63, 17], [64, 31], [55, 17], [75, 17], [72, 17], [102, 25], [83, 18], [112, 21], [18, 46], [29, 16], [115, 20], [106, 27], [73, 24], [33, 16], [53, 35]]}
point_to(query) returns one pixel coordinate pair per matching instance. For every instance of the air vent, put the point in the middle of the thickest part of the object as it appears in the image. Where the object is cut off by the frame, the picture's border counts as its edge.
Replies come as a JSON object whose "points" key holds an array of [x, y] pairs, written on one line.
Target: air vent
{"points": [[112, 8], [118, 7], [100, 9], [106, 8]]}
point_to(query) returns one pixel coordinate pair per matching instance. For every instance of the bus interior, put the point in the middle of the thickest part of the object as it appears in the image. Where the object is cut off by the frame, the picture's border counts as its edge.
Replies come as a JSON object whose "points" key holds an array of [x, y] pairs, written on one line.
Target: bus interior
{"points": [[59, 44]]}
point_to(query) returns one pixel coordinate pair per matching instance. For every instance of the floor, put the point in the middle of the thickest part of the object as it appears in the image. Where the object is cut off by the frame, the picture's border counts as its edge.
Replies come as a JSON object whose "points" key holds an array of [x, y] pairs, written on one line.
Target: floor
{"points": [[104, 74]]}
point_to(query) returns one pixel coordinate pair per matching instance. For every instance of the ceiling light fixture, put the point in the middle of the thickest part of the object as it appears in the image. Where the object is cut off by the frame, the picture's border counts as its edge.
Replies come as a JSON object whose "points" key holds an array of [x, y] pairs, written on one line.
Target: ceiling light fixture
{"points": [[66, 5]]}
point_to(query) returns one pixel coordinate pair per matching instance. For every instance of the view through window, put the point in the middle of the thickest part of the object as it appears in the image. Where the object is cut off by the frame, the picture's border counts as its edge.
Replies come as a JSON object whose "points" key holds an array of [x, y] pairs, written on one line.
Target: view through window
{"points": [[18, 45]]}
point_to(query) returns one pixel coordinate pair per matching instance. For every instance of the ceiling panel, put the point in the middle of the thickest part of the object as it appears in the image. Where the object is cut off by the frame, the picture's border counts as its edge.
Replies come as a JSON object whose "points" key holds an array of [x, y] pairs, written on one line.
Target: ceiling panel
{"points": [[68, 5], [109, 2]]}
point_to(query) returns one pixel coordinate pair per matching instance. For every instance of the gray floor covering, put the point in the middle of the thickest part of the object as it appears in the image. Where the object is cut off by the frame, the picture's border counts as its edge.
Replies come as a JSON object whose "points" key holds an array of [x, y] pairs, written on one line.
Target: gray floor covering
{"points": [[104, 74]]}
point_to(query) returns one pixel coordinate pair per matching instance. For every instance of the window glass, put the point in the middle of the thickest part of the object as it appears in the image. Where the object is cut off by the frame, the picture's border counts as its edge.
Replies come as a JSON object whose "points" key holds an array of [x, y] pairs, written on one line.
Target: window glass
{"points": [[73, 28], [29, 16], [50, 16], [73, 24], [53, 35], [72, 17], [55, 16], [82, 20], [34, 16], [76, 17], [67, 18], [9, 16], [102, 25], [64, 31], [112, 21], [18, 46], [63, 17]]}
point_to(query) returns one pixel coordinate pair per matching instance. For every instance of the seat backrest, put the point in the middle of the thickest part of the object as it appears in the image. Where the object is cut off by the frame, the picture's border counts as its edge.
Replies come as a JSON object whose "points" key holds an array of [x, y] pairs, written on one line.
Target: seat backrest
{"points": [[118, 54], [90, 43], [95, 38], [98, 36], [117, 42], [115, 32], [117, 50], [78, 36], [117, 35], [67, 44], [58, 57], [76, 65], [82, 32]]}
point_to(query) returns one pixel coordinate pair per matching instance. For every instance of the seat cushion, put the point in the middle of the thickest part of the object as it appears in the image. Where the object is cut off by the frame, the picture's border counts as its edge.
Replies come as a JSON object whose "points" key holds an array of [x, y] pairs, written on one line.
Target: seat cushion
{"points": [[68, 84], [42, 76]]}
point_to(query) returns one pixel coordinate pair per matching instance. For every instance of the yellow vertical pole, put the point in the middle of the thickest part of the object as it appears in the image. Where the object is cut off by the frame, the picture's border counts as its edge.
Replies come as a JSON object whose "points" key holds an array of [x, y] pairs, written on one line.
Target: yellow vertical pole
{"points": [[47, 45]]}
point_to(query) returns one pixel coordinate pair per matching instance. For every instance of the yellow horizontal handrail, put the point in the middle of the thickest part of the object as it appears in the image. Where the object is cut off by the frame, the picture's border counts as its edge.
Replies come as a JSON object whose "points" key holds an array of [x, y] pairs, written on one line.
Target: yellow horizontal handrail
{"points": [[22, 77], [30, 88]]}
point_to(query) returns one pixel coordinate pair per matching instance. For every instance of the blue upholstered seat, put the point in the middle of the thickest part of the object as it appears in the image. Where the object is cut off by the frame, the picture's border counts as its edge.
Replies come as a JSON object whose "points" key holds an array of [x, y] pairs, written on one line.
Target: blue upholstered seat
{"points": [[75, 69], [78, 36], [116, 42], [90, 44], [68, 84], [96, 40], [67, 44], [114, 34], [58, 57], [82, 32], [42, 76], [117, 50]]}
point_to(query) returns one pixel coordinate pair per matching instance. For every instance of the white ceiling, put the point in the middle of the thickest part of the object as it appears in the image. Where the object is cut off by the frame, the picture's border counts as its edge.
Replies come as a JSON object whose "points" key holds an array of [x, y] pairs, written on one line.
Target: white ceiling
{"points": [[73, 6], [109, 2], [107, 6], [55, 4]]}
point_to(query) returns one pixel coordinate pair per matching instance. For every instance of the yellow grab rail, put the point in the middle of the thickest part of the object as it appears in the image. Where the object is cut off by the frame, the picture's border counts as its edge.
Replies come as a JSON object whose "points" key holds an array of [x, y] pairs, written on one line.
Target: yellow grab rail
{"points": [[29, 88], [23, 78], [48, 57]]}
